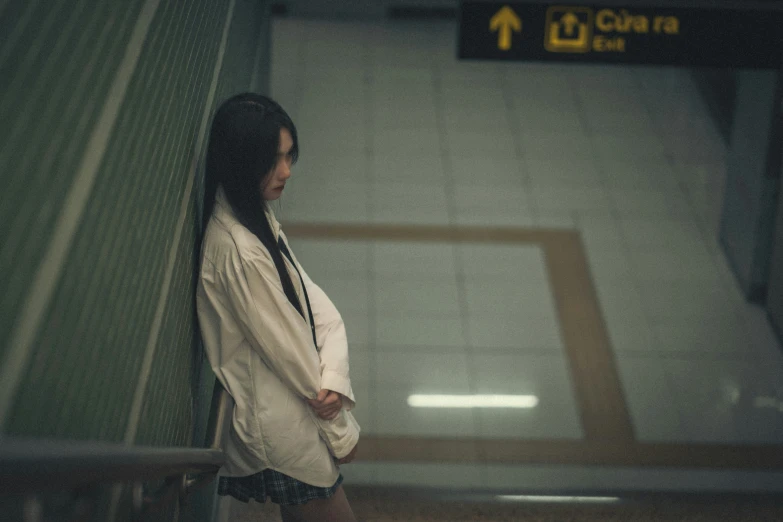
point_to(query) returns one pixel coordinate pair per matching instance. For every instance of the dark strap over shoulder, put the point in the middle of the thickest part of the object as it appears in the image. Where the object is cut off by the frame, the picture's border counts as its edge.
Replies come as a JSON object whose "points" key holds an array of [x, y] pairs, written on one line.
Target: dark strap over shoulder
{"points": [[287, 253]]}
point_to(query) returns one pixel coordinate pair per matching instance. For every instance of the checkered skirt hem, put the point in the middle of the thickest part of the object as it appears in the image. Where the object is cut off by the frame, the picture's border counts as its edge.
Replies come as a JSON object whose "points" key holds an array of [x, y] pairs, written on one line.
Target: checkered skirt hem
{"points": [[279, 487]]}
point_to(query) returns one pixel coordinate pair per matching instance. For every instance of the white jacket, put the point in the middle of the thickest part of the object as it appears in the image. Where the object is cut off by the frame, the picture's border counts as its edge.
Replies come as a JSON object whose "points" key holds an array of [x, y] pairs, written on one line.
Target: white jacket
{"points": [[261, 349]]}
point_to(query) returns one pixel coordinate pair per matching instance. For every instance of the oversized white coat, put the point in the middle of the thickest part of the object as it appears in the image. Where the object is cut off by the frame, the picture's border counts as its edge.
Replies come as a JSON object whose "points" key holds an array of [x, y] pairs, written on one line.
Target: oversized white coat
{"points": [[261, 349]]}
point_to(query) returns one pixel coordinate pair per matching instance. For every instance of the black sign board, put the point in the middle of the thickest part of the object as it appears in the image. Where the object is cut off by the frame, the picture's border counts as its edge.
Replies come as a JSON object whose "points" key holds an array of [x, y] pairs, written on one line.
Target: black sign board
{"points": [[613, 34]]}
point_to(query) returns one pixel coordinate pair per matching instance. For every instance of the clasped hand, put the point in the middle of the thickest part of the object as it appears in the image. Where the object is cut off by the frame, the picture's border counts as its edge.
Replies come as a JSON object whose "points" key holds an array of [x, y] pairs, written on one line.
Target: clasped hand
{"points": [[327, 404]]}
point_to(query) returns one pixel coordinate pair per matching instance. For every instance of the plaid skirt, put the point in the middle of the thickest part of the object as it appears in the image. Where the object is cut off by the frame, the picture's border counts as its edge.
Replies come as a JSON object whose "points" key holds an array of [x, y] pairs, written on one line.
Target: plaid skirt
{"points": [[281, 488]]}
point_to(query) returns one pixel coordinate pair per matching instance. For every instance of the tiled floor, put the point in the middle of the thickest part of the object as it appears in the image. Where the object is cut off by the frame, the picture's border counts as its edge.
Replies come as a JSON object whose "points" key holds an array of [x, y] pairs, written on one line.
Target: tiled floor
{"points": [[394, 130]]}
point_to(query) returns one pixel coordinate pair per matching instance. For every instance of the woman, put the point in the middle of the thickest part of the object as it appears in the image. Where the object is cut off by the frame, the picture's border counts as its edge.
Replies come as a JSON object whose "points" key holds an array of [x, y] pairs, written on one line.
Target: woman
{"points": [[272, 336]]}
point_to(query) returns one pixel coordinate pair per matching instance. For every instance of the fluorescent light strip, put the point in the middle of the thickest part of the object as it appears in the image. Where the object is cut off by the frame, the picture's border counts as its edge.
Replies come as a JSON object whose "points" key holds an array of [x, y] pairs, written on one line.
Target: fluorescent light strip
{"points": [[473, 401], [557, 499]]}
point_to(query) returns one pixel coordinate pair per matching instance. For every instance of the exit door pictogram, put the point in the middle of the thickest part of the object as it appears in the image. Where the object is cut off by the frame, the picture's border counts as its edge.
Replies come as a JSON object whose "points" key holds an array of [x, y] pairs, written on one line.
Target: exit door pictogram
{"points": [[568, 29]]}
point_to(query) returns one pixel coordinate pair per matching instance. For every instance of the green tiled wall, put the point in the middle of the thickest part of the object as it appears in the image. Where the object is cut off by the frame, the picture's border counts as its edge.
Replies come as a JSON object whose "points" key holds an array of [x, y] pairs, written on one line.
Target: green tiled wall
{"points": [[58, 60], [55, 70]]}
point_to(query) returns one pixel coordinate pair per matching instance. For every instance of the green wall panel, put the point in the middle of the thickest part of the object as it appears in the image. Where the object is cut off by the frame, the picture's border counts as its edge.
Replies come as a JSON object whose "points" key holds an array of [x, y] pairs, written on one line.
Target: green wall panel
{"points": [[58, 60], [103, 308], [166, 418], [241, 49]]}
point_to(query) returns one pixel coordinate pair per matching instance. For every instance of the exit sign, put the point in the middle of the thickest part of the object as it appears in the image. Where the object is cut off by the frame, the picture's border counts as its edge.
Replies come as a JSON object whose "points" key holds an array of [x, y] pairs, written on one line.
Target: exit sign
{"points": [[614, 34]]}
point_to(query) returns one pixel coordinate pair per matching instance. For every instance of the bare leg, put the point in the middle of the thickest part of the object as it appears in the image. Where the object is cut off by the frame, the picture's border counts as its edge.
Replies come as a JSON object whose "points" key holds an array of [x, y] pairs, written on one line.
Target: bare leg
{"points": [[286, 515], [335, 509]]}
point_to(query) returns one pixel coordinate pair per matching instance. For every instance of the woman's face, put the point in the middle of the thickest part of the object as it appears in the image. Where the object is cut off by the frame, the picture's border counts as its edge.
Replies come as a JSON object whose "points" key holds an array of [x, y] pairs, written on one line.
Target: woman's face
{"points": [[274, 182]]}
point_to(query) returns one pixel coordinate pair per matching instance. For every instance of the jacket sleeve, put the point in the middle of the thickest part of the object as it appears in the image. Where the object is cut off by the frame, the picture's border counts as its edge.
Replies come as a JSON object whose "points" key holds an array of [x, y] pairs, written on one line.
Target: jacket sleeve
{"points": [[282, 338], [332, 343]]}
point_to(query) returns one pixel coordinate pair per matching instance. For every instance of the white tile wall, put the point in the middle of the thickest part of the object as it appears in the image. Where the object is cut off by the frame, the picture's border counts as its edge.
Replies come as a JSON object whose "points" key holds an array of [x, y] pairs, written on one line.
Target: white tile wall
{"points": [[395, 130]]}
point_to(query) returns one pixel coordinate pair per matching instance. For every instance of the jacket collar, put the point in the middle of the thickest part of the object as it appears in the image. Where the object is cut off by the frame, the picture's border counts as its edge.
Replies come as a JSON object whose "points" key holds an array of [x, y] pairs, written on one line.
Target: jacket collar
{"points": [[225, 214]]}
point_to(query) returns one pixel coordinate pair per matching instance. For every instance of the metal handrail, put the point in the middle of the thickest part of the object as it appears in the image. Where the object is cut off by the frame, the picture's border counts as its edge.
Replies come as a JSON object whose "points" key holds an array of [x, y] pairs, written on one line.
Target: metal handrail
{"points": [[219, 416], [31, 467]]}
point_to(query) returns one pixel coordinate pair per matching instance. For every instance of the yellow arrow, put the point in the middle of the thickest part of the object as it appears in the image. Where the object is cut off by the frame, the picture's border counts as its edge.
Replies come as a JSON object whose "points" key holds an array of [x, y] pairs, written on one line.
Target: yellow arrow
{"points": [[570, 21], [504, 21]]}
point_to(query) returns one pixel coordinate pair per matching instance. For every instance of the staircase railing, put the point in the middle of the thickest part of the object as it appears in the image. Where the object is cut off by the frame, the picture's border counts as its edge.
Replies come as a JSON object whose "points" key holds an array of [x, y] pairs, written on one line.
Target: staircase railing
{"points": [[31, 469]]}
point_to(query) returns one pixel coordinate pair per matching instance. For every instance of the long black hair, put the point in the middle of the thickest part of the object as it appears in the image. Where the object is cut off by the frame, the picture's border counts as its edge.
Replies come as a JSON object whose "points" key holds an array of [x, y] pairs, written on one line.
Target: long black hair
{"points": [[243, 149]]}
